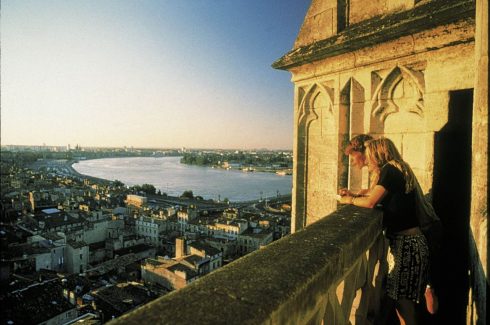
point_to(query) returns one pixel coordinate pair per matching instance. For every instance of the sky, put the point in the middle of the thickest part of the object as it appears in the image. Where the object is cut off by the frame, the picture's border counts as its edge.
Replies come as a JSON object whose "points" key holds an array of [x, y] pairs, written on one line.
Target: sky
{"points": [[147, 73]]}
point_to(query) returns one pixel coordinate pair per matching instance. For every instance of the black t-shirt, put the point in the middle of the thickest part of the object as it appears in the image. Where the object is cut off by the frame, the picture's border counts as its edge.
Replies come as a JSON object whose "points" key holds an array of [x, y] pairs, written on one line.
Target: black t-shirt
{"points": [[398, 207]]}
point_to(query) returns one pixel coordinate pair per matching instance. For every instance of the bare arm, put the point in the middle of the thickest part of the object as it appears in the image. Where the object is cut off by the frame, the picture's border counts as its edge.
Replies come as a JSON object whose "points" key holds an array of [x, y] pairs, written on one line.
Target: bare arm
{"points": [[345, 191], [363, 192], [369, 200]]}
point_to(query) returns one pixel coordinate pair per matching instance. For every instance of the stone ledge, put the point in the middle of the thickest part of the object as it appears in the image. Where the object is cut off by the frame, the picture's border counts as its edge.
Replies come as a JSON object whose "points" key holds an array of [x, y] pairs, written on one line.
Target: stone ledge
{"points": [[380, 29], [255, 288]]}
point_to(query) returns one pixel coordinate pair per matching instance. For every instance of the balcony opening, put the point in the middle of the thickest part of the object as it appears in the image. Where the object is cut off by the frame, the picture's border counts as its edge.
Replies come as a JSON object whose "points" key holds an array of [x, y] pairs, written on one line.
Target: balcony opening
{"points": [[451, 198]]}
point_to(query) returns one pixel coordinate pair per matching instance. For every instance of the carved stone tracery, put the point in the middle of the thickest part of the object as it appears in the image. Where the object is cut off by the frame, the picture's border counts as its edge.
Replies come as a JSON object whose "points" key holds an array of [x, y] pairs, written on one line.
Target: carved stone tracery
{"points": [[388, 95], [316, 126]]}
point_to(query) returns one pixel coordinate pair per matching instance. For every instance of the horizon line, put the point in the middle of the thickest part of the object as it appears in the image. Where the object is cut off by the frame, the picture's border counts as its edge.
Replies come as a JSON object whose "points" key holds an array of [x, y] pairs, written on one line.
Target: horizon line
{"points": [[134, 147]]}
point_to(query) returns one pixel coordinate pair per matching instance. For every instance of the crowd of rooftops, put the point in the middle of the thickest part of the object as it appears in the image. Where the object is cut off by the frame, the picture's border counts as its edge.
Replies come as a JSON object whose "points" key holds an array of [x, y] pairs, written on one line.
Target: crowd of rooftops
{"points": [[75, 247]]}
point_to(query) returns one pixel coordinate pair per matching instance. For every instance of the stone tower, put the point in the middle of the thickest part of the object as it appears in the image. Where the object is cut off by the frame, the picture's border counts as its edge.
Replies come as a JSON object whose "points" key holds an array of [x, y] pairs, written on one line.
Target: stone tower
{"points": [[415, 71]]}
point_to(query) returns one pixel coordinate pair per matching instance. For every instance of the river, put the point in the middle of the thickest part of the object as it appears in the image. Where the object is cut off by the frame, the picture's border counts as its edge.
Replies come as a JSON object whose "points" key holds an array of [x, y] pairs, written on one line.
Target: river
{"points": [[170, 176]]}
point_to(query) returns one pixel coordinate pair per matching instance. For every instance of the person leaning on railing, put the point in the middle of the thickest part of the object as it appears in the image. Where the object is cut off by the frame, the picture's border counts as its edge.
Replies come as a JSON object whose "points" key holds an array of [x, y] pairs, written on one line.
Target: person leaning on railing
{"points": [[356, 150], [393, 184]]}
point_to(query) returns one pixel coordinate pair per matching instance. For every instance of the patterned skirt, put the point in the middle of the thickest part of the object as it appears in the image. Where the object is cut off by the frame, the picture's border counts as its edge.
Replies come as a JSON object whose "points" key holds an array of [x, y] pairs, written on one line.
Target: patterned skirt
{"points": [[408, 261]]}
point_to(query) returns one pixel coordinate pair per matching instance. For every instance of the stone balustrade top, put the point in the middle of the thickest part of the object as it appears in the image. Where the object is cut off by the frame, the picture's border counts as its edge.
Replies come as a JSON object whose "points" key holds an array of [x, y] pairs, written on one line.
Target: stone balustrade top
{"points": [[281, 283]]}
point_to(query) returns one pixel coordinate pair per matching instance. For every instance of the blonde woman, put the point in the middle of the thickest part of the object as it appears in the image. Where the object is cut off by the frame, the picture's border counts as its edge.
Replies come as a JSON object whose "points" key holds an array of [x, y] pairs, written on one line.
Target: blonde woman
{"points": [[394, 184]]}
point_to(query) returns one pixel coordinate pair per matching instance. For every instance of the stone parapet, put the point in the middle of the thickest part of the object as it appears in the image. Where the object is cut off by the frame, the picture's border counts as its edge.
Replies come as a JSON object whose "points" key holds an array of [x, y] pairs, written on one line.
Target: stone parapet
{"points": [[331, 271]]}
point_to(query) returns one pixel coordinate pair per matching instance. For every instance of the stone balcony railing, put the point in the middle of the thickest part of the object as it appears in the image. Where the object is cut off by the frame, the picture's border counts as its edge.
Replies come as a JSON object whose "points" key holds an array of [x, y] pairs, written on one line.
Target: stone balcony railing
{"points": [[329, 273]]}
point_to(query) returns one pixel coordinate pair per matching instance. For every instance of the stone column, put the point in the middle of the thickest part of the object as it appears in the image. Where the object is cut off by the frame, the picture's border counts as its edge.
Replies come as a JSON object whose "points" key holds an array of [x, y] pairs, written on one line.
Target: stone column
{"points": [[479, 187]]}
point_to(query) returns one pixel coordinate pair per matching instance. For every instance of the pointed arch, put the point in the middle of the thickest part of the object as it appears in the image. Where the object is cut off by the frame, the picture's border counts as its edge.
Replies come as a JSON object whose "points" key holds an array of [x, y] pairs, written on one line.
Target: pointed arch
{"points": [[351, 123], [307, 107], [385, 97], [313, 102]]}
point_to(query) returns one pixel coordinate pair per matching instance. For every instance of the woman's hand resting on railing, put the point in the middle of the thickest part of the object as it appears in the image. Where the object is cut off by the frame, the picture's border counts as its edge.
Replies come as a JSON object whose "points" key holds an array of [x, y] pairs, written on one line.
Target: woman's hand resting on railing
{"points": [[347, 192], [344, 192], [345, 199]]}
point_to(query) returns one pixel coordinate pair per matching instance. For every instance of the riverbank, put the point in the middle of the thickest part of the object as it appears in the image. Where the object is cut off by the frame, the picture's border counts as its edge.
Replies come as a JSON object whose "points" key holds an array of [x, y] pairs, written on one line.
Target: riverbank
{"points": [[64, 167], [174, 178], [258, 169], [253, 161], [74, 172]]}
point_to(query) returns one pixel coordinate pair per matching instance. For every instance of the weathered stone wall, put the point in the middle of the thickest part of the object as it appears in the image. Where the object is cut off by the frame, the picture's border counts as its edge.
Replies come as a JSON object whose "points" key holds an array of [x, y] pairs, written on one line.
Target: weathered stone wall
{"points": [[328, 17], [360, 10], [479, 188], [162, 276], [320, 22]]}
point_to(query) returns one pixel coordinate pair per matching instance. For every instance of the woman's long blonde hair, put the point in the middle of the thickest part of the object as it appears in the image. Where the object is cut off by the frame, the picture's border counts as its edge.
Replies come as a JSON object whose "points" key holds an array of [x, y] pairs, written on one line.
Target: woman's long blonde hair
{"points": [[383, 151]]}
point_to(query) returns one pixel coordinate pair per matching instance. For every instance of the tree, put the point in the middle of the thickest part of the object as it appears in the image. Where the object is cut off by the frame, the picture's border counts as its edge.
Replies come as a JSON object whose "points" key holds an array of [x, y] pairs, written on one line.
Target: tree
{"points": [[118, 183], [148, 189], [145, 188], [187, 195]]}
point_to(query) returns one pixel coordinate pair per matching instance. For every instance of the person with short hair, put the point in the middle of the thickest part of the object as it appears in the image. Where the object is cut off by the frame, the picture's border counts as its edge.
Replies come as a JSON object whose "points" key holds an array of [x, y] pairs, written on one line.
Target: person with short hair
{"points": [[356, 150]]}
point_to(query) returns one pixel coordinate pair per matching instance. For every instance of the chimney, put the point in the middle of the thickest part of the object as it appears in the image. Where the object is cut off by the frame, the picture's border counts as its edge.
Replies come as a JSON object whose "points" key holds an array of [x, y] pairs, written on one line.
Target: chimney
{"points": [[179, 247]]}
